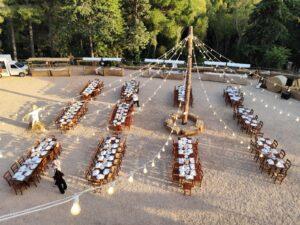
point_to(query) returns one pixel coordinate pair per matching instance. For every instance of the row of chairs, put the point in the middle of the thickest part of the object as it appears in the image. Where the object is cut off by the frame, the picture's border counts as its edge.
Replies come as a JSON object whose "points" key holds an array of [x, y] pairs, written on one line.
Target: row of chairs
{"points": [[233, 104], [277, 174], [251, 130]]}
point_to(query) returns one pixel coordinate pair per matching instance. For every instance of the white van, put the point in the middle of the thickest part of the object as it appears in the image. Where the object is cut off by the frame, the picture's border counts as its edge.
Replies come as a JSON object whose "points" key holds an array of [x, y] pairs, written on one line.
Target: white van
{"points": [[8, 67]]}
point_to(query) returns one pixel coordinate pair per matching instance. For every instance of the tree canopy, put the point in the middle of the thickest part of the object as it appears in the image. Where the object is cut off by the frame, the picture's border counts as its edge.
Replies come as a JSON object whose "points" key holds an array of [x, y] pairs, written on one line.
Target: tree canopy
{"points": [[261, 32]]}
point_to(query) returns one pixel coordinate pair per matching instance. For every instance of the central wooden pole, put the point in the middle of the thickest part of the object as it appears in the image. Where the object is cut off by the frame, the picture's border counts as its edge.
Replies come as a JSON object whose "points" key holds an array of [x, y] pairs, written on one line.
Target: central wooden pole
{"points": [[188, 79]]}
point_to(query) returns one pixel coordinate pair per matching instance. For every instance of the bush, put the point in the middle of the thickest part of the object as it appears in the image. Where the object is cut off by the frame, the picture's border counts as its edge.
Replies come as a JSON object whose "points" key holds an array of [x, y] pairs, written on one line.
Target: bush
{"points": [[277, 57]]}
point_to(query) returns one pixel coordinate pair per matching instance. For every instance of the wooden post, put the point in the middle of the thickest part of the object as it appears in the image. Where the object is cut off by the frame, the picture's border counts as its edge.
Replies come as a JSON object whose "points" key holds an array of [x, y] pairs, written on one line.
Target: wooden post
{"points": [[188, 80]]}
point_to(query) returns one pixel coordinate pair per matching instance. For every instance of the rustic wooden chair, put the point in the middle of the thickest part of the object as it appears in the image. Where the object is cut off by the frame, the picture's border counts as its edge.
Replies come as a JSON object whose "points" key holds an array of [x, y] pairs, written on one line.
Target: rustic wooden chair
{"points": [[14, 167], [16, 186], [187, 188], [274, 144], [282, 154]]}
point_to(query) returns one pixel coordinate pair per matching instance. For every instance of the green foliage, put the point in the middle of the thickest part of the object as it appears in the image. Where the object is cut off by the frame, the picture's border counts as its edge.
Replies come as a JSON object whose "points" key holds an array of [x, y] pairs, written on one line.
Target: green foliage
{"points": [[254, 31], [277, 57]]}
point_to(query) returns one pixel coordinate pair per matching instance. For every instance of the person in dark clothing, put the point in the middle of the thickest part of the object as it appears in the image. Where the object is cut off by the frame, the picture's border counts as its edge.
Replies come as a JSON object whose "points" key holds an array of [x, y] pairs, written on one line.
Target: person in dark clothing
{"points": [[60, 181]]}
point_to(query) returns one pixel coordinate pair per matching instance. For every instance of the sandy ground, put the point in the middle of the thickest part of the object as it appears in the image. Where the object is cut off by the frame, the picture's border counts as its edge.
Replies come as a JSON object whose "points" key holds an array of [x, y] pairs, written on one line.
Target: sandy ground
{"points": [[233, 190]]}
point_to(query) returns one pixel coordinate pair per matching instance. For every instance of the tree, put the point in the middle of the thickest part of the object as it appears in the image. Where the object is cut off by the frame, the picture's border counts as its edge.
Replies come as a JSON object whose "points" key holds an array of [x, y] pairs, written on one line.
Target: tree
{"points": [[170, 18], [30, 12], [276, 57], [136, 35], [267, 28], [100, 22]]}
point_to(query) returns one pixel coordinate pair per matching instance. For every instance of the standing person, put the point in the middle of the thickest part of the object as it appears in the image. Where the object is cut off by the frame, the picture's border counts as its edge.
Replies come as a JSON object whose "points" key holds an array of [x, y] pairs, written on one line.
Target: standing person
{"points": [[135, 98], [60, 181]]}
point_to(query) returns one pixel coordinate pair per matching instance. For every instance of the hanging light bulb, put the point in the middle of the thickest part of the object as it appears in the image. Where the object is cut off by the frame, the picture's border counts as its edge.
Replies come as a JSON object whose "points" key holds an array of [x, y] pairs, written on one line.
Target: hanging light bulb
{"points": [[163, 149], [130, 179], [158, 155], [233, 134], [248, 147], [266, 105], [110, 190], [145, 170], [167, 143], [170, 138], [242, 142], [225, 127], [280, 112], [77, 139], [297, 119], [76, 209], [153, 164]]}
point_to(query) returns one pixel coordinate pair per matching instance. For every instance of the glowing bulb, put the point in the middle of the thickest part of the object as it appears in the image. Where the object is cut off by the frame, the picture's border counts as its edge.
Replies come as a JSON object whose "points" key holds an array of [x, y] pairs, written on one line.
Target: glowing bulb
{"points": [[110, 190], [77, 139], [158, 155], [254, 99], [130, 179], [170, 138], [225, 127], [94, 134], [242, 142], [153, 164], [233, 134], [145, 170], [215, 113], [274, 107], [261, 100], [97, 111], [210, 106], [266, 105], [221, 120], [248, 147], [167, 144], [163, 149], [280, 112], [75, 210], [297, 119], [288, 114]]}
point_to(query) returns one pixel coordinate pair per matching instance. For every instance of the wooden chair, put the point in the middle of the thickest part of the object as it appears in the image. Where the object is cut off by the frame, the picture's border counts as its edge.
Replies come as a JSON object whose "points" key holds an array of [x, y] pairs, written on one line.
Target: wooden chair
{"points": [[16, 186], [281, 154], [281, 175], [14, 167], [21, 160], [274, 144], [187, 188]]}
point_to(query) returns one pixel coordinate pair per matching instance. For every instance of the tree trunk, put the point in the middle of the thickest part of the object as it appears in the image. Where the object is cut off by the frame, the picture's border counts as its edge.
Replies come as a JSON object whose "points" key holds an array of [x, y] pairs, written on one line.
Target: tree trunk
{"points": [[13, 40], [31, 39], [91, 45]]}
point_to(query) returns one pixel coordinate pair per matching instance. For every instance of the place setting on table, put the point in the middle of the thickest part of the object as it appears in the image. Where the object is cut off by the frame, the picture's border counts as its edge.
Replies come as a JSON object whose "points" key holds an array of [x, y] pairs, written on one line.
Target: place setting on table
{"points": [[121, 116], [233, 96], [106, 161], [271, 159], [92, 89], [71, 115], [28, 168], [187, 169], [129, 89]]}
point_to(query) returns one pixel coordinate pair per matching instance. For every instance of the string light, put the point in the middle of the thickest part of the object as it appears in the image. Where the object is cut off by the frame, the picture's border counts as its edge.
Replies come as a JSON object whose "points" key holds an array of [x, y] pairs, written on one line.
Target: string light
{"points": [[130, 179], [110, 190], [76, 209], [145, 170], [158, 155], [153, 164]]}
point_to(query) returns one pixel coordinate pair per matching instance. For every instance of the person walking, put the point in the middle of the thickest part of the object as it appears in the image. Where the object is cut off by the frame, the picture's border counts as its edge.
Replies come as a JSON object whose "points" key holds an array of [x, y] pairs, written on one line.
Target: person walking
{"points": [[135, 98], [60, 181]]}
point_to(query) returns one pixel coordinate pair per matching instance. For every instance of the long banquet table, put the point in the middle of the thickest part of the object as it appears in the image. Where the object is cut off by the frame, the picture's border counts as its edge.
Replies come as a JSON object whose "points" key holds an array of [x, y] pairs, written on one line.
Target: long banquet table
{"points": [[187, 170], [92, 89], [128, 89], [29, 167], [70, 116], [179, 96], [106, 161], [121, 116]]}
